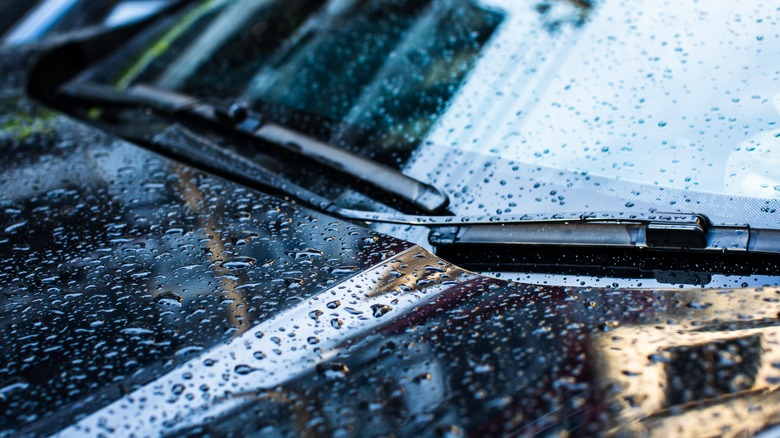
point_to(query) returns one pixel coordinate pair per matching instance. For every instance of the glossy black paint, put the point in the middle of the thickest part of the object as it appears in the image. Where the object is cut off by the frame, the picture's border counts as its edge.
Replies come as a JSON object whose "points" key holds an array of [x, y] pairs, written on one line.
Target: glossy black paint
{"points": [[117, 262]]}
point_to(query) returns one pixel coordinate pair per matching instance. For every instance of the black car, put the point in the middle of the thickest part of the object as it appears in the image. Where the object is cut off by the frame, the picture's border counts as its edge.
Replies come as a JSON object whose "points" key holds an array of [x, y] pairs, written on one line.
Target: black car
{"points": [[393, 217]]}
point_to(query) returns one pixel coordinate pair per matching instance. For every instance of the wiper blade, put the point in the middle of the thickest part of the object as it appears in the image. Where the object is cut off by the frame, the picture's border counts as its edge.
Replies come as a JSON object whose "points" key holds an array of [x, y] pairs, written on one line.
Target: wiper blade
{"points": [[238, 119], [658, 231], [604, 243]]}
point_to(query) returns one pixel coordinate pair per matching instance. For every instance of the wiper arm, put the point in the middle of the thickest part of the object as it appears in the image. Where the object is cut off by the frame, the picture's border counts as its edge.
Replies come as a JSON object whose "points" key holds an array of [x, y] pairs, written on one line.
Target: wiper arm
{"points": [[237, 119]]}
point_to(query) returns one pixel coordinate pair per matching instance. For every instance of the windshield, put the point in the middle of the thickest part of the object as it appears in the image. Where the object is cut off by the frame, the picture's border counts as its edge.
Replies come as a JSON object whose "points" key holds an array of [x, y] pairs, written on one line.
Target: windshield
{"points": [[511, 107], [565, 85]]}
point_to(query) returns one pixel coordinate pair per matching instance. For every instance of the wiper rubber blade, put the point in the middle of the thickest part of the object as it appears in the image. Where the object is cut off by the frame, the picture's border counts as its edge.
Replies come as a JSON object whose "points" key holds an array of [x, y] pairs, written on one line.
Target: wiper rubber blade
{"points": [[670, 247], [238, 119], [657, 231]]}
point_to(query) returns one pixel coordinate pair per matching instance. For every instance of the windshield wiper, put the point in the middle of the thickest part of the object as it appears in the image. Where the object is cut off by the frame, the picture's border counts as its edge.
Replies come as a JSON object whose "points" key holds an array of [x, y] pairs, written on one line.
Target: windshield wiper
{"points": [[631, 245], [651, 232], [239, 119]]}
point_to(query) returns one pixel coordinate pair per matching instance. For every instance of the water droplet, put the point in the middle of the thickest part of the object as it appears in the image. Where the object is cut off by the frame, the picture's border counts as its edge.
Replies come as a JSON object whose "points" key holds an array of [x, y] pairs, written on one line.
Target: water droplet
{"points": [[168, 298], [245, 237], [239, 262], [344, 270], [609, 326], [11, 228], [698, 305], [449, 431], [380, 309], [332, 369], [136, 331], [12, 385], [243, 369], [307, 253], [483, 368], [422, 377], [243, 216]]}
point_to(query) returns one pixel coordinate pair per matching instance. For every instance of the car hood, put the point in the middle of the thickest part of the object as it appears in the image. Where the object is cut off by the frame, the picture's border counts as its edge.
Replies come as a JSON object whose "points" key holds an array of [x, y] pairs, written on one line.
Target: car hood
{"points": [[140, 295]]}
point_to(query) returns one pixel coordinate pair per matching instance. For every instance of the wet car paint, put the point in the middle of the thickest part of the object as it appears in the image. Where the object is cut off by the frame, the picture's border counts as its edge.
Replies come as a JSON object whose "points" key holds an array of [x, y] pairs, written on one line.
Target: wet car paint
{"points": [[487, 358], [109, 251], [312, 336], [117, 260]]}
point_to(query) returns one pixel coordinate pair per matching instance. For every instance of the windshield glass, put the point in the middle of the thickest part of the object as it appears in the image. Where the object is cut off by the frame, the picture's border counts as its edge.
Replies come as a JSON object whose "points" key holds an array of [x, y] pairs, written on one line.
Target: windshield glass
{"points": [[511, 107], [566, 85]]}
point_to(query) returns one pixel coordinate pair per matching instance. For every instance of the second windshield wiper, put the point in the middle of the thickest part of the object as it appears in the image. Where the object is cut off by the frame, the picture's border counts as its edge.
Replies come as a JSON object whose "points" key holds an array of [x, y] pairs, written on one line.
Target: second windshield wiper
{"points": [[238, 119]]}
